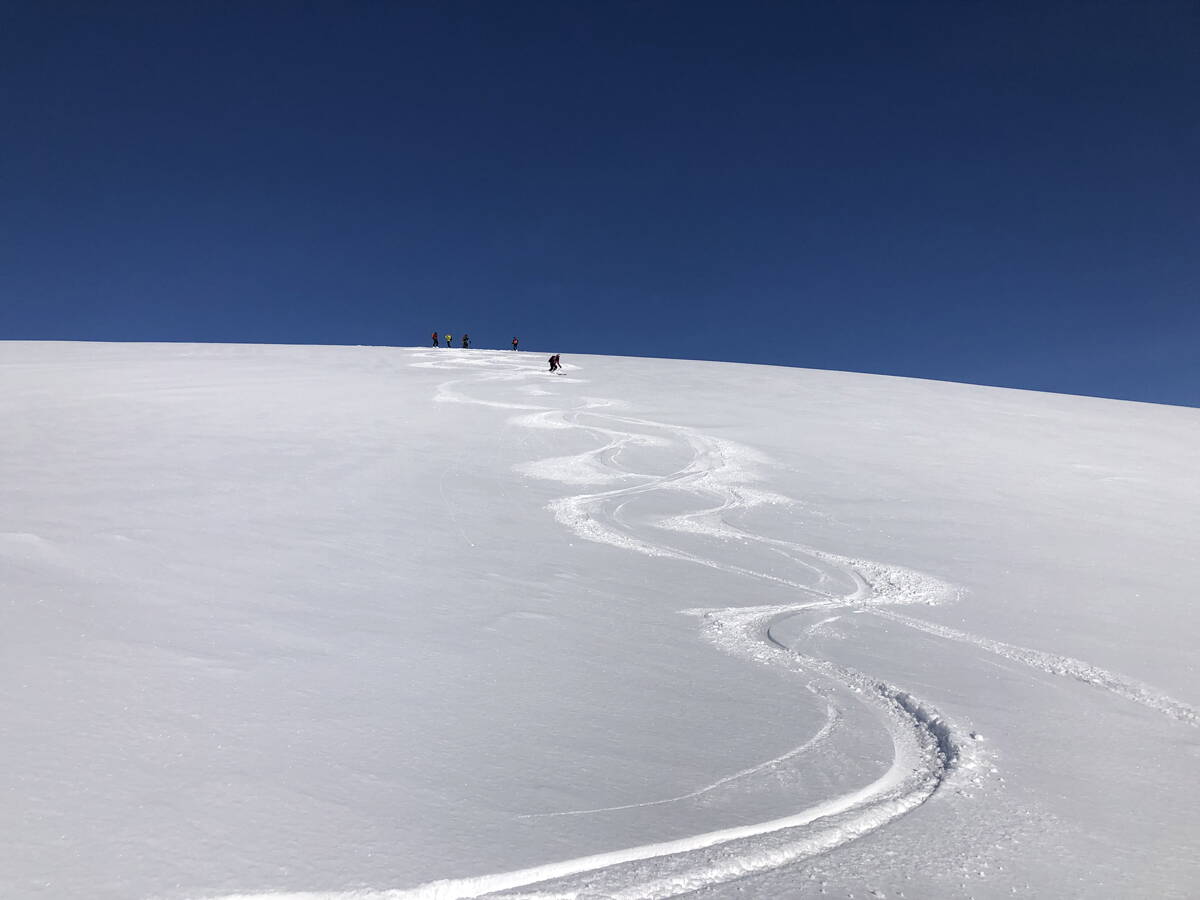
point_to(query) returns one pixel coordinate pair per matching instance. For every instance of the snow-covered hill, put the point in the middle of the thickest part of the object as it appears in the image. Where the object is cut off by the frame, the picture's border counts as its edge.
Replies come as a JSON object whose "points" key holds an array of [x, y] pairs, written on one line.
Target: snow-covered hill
{"points": [[375, 622]]}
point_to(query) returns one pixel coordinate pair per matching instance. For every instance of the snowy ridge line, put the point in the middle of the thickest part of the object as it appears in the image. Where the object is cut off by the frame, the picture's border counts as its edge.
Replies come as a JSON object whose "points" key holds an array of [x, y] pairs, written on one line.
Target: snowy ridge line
{"points": [[1056, 664], [832, 717]]}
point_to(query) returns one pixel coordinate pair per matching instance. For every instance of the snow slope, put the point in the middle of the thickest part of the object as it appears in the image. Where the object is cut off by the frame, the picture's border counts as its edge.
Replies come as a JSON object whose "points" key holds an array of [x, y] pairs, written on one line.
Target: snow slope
{"points": [[335, 622]]}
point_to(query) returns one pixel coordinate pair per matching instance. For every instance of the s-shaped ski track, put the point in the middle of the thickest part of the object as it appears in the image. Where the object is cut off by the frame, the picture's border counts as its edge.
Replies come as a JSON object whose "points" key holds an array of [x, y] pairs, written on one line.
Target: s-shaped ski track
{"points": [[927, 748]]}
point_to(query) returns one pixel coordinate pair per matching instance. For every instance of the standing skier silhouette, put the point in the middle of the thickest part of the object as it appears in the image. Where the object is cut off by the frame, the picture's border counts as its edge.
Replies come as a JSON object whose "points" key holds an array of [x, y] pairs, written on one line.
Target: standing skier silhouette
{"points": [[435, 339], [515, 342]]}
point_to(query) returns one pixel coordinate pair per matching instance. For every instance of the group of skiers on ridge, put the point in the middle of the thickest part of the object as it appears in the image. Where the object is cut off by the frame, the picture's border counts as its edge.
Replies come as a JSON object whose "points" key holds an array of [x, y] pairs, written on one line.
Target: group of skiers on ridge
{"points": [[555, 362], [466, 340]]}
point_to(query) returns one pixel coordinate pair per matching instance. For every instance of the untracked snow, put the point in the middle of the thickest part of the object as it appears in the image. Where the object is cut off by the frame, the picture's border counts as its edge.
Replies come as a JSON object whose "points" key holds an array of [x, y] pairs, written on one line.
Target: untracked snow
{"points": [[356, 622]]}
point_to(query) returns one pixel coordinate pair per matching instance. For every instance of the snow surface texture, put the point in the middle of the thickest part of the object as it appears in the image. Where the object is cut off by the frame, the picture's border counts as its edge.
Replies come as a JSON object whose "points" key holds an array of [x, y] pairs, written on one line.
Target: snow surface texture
{"points": [[373, 623]]}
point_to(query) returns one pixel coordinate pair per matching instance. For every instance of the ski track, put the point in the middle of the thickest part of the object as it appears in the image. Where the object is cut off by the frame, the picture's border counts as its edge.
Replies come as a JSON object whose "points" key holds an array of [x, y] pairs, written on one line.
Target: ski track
{"points": [[928, 748], [832, 716], [1055, 664]]}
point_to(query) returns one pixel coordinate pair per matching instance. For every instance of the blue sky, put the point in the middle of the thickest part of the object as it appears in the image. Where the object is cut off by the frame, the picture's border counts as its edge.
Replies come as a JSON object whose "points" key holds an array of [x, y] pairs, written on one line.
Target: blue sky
{"points": [[1002, 193]]}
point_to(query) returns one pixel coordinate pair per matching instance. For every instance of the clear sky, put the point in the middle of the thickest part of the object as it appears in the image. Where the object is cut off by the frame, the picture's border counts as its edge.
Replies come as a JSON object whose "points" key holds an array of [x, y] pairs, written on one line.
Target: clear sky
{"points": [[1004, 193]]}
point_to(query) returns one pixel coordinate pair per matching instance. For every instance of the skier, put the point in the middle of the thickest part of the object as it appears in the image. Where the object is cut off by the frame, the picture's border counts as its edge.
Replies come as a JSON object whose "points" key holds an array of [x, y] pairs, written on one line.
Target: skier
{"points": [[449, 338], [555, 365], [435, 339], [466, 342], [515, 342]]}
